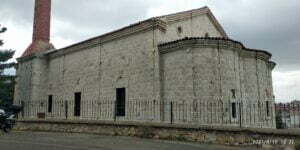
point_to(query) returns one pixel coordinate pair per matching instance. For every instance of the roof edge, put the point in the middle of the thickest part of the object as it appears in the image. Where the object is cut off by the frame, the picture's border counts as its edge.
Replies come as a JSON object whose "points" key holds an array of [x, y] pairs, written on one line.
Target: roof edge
{"points": [[224, 41], [152, 23], [216, 23], [199, 11], [155, 21]]}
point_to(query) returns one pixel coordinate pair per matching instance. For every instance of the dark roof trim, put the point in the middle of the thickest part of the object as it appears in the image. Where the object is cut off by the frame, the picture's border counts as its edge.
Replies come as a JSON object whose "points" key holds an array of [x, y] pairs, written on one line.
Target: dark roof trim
{"points": [[152, 23], [191, 39], [113, 32]]}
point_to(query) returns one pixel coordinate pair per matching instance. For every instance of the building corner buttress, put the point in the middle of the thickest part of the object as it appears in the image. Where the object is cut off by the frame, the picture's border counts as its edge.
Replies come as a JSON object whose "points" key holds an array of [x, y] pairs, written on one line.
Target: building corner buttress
{"points": [[32, 65]]}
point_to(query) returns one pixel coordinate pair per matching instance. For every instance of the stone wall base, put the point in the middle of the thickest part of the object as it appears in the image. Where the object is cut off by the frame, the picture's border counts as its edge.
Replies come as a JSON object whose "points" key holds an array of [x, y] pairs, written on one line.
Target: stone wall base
{"points": [[263, 138]]}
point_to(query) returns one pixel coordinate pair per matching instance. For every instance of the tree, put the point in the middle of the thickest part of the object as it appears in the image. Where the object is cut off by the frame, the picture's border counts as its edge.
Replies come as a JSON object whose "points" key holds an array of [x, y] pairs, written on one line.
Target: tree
{"points": [[6, 81]]}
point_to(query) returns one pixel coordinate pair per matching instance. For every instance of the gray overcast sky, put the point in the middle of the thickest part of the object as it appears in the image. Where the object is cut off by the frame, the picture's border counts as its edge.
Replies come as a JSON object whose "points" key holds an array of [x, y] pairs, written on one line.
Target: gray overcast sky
{"points": [[272, 25]]}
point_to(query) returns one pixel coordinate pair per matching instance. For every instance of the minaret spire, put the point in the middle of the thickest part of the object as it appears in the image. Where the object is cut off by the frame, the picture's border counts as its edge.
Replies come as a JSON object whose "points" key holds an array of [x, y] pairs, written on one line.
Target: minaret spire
{"points": [[41, 28]]}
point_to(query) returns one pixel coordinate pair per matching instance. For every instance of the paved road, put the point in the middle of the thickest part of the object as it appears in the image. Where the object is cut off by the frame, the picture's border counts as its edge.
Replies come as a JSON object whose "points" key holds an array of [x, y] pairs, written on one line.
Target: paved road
{"points": [[68, 141]]}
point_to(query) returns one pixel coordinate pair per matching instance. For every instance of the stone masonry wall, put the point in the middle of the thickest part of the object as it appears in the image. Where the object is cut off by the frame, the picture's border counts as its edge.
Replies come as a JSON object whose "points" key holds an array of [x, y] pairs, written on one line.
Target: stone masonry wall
{"points": [[23, 80], [97, 72], [131, 62], [194, 26], [217, 74], [189, 83]]}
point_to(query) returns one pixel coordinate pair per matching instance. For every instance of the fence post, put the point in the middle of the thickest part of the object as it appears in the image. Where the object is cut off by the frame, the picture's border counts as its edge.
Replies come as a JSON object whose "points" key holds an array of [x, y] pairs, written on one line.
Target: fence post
{"points": [[115, 110], [162, 110], [241, 105], [284, 120], [298, 106], [171, 110], [23, 107], [66, 109], [289, 109]]}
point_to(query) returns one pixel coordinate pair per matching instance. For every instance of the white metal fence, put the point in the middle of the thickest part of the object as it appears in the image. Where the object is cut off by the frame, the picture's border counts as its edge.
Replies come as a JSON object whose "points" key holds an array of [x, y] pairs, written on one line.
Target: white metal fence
{"points": [[198, 112]]}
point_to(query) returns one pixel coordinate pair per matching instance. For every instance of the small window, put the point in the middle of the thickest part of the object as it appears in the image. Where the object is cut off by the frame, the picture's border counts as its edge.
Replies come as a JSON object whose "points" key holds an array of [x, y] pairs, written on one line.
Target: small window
{"points": [[206, 35], [268, 108], [179, 29], [233, 110], [50, 103], [233, 93]]}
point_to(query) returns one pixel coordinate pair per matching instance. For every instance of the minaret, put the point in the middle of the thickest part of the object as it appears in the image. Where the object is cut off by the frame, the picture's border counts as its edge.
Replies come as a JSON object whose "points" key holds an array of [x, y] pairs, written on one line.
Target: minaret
{"points": [[41, 28]]}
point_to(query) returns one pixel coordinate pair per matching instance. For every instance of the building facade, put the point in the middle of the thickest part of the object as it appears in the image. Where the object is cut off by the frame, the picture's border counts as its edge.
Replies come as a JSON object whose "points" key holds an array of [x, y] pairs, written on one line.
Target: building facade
{"points": [[178, 68]]}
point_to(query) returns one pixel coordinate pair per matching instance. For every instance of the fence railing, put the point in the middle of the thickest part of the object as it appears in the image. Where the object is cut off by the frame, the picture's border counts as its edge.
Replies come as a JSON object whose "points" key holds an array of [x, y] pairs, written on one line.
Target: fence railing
{"points": [[196, 112], [287, 115]]}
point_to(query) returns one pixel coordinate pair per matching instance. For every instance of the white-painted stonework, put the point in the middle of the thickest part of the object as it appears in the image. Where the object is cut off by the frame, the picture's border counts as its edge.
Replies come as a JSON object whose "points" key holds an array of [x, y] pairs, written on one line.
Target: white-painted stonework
{"points": [[168, 74]]}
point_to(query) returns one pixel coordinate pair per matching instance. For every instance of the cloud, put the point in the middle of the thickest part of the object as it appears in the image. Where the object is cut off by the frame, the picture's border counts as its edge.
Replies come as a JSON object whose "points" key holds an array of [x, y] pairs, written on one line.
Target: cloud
{"points": [[18, 11], [16, 37], [77, 19], [286, 85], [269, 24]]}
